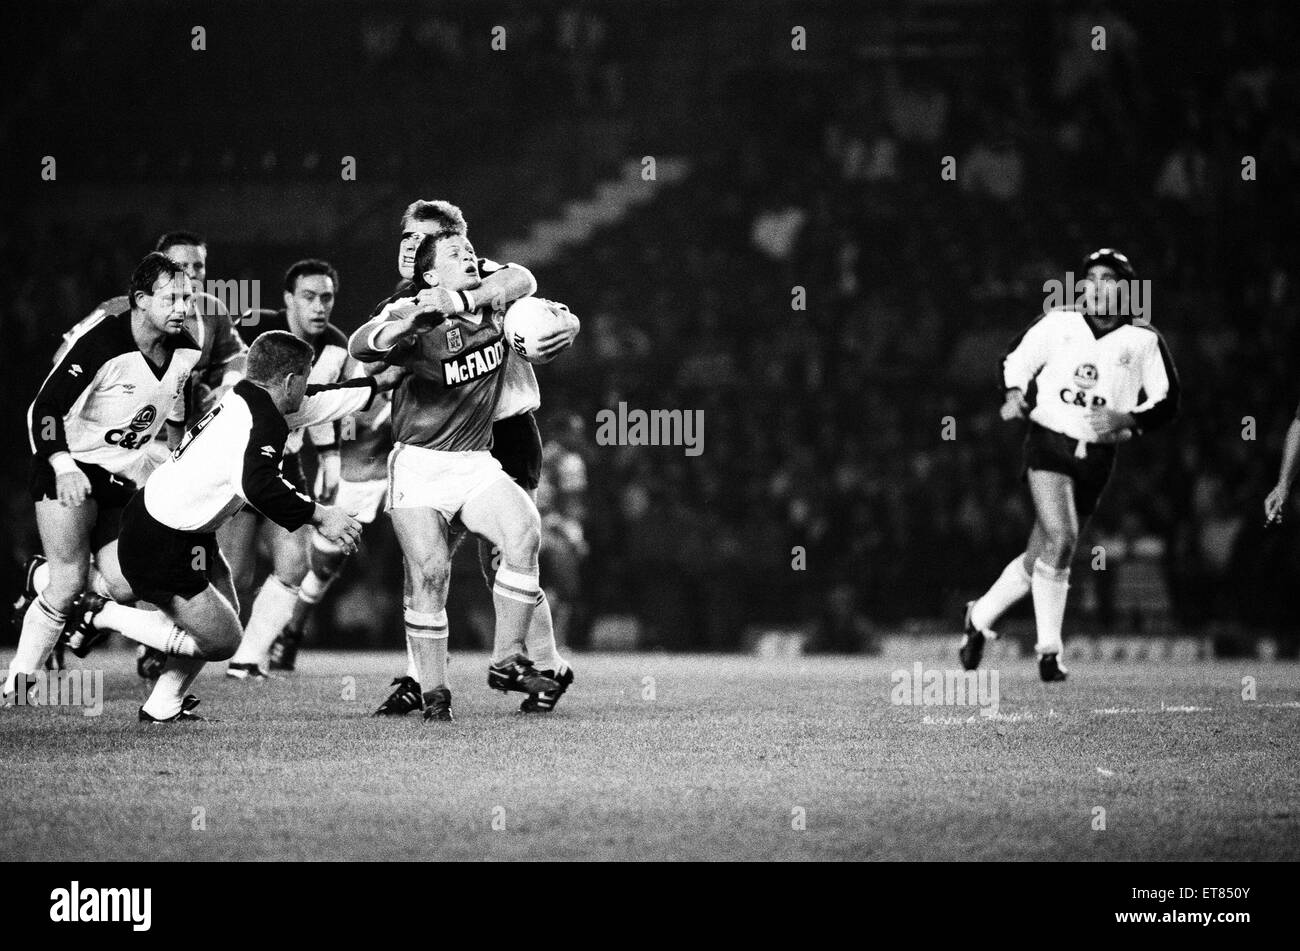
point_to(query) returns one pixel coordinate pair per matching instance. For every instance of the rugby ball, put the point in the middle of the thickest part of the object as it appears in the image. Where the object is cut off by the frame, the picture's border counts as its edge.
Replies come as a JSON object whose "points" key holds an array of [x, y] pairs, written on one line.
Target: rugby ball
{"points": [[528, 320]]}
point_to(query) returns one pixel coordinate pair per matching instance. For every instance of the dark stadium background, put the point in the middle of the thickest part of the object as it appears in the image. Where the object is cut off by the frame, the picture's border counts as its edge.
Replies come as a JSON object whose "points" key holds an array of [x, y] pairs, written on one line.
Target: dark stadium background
{"points": [[776, 168]]}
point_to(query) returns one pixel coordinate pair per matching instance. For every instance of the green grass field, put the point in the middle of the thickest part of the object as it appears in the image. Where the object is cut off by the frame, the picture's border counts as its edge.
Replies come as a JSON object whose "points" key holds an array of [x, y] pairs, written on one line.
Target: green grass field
{"points": [[725, 761]]}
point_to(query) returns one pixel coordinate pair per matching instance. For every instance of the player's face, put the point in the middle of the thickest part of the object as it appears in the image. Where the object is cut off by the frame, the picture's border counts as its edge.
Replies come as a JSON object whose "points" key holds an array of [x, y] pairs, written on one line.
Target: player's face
{"points": [[310, 305], [411, 235], [170, 302], [455, 266], [1099, 297], [194, 259]]}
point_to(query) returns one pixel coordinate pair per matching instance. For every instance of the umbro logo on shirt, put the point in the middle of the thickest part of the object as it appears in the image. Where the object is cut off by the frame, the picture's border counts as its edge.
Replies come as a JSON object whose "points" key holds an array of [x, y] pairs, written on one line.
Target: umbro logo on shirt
{"points": [[268, 451], [75, 369]]}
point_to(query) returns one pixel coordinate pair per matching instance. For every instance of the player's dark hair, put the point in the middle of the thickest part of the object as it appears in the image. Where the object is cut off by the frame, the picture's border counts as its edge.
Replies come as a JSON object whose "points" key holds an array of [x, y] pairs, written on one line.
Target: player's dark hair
{"points": [[449, 218], [275, 354], [306, 268], [154, 265], [172, 239]]}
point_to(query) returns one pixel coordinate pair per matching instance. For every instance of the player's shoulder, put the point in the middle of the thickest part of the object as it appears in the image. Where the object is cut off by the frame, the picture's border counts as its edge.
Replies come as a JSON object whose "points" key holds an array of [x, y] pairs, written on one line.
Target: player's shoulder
{"points": [[258, 320], [108, 337], [332, 336], [1145, 334]]}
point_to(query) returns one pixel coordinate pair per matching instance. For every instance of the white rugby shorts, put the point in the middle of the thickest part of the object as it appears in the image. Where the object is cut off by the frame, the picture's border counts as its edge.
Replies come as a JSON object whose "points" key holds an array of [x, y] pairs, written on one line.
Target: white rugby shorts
{"points": [[437, 479]]}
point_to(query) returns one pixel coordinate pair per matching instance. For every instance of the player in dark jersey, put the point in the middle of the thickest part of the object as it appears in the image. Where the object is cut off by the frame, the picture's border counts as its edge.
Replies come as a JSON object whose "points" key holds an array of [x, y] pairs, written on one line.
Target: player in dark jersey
{"points": [[310, 289], [168, 547], [453, 345], [91, 425], [516, 443]]}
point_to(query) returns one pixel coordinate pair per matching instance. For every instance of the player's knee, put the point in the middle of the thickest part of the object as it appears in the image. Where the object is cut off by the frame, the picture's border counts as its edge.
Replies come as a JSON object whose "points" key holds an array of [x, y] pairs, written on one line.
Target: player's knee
{"points": [[523, 540], [67, 580], [1060, 542], [222, 643], [429, 574]]}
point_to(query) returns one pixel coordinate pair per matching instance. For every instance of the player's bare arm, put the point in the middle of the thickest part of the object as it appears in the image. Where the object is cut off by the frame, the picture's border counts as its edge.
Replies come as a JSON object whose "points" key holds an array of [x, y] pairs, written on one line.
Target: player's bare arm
{"points": [[1276, 500]]}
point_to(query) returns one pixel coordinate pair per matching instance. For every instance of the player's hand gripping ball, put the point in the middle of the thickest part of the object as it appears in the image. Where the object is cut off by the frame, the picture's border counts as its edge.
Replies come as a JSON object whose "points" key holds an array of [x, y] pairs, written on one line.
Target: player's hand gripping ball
{"points": [[532, 326]]}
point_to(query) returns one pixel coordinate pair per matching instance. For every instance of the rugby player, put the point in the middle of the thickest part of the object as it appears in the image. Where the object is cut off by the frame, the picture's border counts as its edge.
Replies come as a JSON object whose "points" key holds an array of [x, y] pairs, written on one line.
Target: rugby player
{"points": [[516, 443], [1087, 380], [310, 289], [231, 458], [91, 425], [440, 467]]}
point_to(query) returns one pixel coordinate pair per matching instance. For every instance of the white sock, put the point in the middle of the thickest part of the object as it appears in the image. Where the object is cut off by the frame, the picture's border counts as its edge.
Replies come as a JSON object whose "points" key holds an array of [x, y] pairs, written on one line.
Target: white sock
{"points": [[272, 609], [151, 628], [42, 626], [313, 587], [426, 642], [411, 670], [173, 683], [1011, 586], [1051, 586], [541, 638], [514, 595]]}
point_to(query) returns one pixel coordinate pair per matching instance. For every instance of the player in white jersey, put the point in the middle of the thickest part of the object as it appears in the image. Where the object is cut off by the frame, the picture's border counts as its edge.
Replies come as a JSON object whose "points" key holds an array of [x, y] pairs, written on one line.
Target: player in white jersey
{"points": [[1087, 380], [168, 550], [90, 427], [310, 289]]}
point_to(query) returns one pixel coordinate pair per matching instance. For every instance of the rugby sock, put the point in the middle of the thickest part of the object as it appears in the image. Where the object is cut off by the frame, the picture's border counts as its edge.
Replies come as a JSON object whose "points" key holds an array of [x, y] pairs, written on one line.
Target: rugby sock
{"points": [[150, 628], [411, 670], [1012, 585], [272, 609], [173, 683], [1050, 586], [541, 637], [42, 626], [515, 594], [426, 643]]}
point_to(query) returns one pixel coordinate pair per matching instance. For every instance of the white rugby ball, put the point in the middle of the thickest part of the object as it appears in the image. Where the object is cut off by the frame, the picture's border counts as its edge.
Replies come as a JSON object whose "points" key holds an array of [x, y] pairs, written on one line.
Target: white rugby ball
{"points": [[528, 320]]}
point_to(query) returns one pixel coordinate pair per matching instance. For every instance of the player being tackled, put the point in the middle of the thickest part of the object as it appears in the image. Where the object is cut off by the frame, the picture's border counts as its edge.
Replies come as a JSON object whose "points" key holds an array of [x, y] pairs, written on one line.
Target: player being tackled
{"points": [[441, 469]]}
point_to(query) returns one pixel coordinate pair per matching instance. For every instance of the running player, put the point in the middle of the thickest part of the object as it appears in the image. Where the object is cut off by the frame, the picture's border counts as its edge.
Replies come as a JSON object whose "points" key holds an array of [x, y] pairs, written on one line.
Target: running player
{"points": [[310, 289], [440, 467], [90, 426], [1087, 380], [221, 360], [168, 547]]}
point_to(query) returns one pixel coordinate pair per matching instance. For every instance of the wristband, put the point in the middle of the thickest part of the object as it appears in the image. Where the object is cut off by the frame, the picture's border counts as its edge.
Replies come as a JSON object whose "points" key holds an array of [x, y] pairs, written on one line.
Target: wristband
{"points": [[62, 463]]}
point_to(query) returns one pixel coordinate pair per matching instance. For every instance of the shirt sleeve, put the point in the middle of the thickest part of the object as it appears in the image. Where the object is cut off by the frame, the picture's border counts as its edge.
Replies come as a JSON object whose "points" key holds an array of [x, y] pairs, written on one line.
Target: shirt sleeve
{"points": [[1026, 355], [229, 352], [261, 482], [63, 390], [1160, 386], [327, 402]]}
